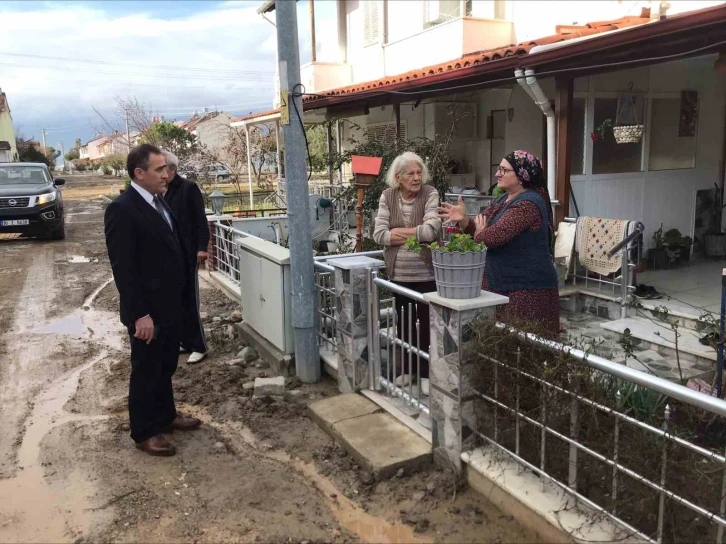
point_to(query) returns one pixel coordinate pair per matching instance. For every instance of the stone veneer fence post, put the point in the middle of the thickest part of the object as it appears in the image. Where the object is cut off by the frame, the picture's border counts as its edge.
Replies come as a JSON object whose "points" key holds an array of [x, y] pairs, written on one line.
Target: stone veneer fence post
{"points": [[352, 308], [451, 397]]}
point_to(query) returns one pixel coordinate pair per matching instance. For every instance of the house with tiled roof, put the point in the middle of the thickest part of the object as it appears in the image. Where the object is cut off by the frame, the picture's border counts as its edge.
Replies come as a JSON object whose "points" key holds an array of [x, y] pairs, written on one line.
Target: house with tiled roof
{"points": [[396, 68], [8, 150], [211, 129]]}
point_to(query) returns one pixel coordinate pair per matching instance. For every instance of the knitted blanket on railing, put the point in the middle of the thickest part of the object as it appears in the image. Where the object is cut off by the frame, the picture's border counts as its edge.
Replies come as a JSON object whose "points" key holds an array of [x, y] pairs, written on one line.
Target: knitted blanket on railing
{"points": [[595, 237]]}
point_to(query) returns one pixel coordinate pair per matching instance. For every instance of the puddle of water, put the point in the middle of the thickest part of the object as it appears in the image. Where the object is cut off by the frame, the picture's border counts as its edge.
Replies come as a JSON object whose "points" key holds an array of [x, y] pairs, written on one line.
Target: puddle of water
{"points": [[72, 324], [32, 511], [350, 516]]}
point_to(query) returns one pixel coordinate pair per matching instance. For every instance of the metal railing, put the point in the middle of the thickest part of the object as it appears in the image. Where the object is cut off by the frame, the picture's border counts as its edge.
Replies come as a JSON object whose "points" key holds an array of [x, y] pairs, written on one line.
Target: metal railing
{"points": [[326, 307], [620, 286], [505, 435], [388, 377], [226, 255]]}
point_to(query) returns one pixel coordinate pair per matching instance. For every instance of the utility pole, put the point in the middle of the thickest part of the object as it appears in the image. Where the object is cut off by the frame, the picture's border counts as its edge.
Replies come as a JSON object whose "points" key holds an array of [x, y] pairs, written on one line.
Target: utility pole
{"points": [[128, 134], [45, 149], [307, 354]]}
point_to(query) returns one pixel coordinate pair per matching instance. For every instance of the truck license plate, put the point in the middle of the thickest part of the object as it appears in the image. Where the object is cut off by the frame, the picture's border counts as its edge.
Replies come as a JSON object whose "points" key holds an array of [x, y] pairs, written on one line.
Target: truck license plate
{"points": [[14, 222]]}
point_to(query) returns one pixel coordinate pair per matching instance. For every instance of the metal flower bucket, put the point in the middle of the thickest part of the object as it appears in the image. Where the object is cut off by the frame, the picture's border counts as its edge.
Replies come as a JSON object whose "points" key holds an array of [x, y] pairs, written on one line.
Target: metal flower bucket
{"points": [[458, 275]]}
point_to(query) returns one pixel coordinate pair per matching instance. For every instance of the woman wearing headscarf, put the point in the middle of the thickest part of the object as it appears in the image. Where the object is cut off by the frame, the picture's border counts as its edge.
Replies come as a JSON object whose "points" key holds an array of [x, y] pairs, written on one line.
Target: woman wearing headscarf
{"points": [[517, 229]]}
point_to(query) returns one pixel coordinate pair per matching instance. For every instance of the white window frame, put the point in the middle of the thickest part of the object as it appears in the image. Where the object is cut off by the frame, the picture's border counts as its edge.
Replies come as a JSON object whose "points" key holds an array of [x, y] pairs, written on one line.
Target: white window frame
{"points": [[386, 127], [371, 25], [648, 96]]}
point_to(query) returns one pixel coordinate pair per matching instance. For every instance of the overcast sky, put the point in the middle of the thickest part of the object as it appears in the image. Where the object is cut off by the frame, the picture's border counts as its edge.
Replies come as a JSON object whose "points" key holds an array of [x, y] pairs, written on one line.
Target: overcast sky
{"points": [[58, 59]]}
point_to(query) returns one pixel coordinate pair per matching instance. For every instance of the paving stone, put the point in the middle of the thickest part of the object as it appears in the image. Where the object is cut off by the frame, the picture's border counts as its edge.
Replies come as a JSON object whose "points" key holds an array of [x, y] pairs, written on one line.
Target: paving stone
{"points": [[270, 387]]}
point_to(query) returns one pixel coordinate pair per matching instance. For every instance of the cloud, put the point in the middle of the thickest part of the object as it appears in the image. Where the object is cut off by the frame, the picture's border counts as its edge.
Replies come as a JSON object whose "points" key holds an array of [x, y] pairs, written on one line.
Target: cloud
{"points": [[226, 53]]}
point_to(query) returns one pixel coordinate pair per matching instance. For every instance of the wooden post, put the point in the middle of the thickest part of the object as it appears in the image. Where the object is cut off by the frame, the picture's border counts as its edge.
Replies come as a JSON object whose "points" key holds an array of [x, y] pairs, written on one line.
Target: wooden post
{"points": [[563, 111], [359, 221]]}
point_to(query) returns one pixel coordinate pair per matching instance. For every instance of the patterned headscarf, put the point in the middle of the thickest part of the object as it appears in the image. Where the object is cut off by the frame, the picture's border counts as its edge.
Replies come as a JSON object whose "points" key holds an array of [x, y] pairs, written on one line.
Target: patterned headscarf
{"points": [[529, 171]]}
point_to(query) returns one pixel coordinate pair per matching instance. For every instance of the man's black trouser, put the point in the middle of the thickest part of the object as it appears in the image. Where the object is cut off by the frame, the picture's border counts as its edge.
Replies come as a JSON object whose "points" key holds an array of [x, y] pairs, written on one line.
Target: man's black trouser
{"points": [[151, 398], [193, 330]]}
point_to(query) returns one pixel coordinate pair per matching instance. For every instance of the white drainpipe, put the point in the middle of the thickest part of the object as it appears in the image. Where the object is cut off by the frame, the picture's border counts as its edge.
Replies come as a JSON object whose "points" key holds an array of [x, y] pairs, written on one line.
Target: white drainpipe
{"points": [[533, 89], [519, 74]]}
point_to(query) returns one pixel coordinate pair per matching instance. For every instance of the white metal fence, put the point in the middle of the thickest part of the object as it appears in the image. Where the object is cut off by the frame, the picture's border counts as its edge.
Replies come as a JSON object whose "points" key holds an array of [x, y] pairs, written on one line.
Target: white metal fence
{"points": [[226, 255], [556, 422]]}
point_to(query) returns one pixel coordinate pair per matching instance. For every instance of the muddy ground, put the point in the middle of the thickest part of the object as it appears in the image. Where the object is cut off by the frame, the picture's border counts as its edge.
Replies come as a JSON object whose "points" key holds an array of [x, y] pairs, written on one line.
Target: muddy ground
{"points": [[258, 471]]}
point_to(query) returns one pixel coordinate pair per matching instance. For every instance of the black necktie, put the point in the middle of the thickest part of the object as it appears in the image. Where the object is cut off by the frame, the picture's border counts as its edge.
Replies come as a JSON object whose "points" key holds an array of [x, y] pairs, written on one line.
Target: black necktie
{"points": [[160, 208]]}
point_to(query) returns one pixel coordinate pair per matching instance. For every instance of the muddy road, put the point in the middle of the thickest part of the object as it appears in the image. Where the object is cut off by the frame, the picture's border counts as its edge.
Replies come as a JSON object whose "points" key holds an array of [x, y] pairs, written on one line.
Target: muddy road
{"points": [[258, 471]]}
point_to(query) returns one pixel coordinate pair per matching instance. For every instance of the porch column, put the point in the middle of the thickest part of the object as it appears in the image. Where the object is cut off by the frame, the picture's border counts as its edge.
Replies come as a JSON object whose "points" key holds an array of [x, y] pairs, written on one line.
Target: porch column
{"points": [[277, 153], [397, 112], [329, 133], [249, 166], [351, 300], [311, 3], [452, 398], [563, 111]]}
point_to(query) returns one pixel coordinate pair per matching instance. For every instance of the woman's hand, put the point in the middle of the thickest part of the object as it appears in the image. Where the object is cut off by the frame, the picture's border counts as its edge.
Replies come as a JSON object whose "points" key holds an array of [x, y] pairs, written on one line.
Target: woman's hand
{"points": [[450, 213], [399, 236], [481, 223]]}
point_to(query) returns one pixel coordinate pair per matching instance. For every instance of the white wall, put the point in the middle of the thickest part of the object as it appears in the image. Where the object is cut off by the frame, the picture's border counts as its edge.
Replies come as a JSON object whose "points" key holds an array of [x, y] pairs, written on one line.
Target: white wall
{"points": [[214, 133], [525, 131]]}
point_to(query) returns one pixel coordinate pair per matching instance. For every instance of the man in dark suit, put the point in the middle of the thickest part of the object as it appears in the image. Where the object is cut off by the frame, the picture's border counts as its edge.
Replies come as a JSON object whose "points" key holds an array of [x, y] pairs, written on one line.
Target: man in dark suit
{"points": [[187, 202], [150, 273]]}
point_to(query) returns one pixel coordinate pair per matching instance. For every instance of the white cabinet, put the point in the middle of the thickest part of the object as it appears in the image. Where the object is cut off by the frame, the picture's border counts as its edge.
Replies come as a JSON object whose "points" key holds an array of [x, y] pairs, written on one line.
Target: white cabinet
{"points": [[266, 291]]}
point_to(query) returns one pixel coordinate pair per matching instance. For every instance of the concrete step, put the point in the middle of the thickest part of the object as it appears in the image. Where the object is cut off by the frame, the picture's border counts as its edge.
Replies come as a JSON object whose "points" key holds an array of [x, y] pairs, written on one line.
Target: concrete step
{"points": [[377, 441], [654, 338]]}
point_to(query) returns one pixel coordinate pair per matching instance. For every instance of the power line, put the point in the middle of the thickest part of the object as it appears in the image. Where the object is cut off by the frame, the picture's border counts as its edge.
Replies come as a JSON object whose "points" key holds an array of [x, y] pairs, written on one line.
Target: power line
{"points": [[135, 65], [135, 74], [241, 108]]}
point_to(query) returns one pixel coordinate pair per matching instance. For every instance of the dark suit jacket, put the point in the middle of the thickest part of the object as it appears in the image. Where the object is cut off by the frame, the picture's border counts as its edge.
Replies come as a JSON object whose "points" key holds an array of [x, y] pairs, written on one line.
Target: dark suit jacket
{"points": [[147, 261], [187, 202]]}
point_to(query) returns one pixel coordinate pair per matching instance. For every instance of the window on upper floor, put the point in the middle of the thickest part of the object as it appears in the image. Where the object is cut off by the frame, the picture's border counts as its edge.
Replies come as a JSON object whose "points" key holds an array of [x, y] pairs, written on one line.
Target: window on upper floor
{"points": [[371, 21], [439, 11]]}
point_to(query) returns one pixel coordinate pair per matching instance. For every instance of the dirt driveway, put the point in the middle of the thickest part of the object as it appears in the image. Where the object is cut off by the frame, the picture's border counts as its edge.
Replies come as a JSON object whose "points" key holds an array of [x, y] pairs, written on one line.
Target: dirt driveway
{"points": [[259, 470]]}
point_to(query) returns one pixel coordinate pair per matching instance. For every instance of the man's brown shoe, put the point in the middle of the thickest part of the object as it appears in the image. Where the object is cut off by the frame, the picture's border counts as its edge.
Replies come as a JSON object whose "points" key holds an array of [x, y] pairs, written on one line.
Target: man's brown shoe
{"points": [[157, 445], [183, 423]]}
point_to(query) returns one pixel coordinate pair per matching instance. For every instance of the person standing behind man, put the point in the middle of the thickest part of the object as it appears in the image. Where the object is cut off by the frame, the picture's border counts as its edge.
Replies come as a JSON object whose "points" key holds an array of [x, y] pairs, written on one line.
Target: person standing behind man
{"points": [[150, 273], [187, 202]]}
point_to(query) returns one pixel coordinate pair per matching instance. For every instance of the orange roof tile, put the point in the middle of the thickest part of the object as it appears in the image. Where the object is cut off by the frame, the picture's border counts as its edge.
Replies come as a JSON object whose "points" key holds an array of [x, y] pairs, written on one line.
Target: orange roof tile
{"points": [[564, 33], [255, 115]]}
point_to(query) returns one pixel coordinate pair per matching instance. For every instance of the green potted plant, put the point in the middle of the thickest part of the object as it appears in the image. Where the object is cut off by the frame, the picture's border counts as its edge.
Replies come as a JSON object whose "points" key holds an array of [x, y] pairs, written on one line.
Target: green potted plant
{"points": [[458, 265], [678, 247]]}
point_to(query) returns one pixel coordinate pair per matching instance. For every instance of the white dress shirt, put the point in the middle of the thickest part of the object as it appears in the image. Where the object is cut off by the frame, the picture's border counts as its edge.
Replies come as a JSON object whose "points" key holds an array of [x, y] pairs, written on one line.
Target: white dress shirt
{"points": [[150, 199]]}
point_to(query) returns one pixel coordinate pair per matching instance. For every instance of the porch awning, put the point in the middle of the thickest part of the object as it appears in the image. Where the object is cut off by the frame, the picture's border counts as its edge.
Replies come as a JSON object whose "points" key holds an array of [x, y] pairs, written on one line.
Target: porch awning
{"points": [[630, 42]]}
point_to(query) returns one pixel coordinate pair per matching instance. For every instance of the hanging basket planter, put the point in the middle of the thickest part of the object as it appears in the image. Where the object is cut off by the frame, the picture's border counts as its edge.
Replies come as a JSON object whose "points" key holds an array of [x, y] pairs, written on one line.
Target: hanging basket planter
{"points": [[625, 130], [628, 134]]}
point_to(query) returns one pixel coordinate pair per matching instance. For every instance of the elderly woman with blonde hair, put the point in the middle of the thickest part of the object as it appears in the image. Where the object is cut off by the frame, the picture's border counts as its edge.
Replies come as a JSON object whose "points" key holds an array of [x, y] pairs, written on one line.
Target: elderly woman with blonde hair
{"points": [[408, 208]]}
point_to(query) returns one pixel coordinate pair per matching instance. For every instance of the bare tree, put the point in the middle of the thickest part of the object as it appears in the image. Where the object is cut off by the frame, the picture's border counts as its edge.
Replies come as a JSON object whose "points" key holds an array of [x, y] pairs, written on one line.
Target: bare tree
{"points": [[138, 115]]}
